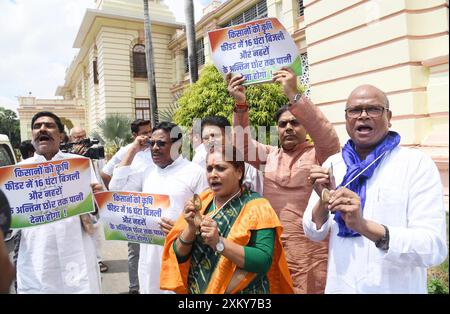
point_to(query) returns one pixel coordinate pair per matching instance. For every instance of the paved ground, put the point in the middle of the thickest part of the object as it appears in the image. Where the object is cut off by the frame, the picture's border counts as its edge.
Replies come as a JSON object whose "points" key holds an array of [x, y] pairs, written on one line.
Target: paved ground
{"points": [[114, 254]]}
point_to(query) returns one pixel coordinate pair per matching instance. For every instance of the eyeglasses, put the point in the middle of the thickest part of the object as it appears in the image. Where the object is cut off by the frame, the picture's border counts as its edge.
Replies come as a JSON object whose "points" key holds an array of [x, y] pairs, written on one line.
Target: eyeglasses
{"points": [[293, 122], [158, 143], [374, 111]]}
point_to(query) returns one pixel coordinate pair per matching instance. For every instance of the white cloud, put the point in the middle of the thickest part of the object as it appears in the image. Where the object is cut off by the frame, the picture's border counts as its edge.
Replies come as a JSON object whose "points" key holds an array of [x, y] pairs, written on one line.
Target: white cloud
{"points": [[36, 39], [36, 46], [177, 7]]}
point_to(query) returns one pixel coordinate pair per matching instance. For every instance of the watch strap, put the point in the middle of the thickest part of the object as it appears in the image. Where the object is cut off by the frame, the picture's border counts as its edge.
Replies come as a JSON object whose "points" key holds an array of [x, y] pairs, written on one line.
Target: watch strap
{"points": [[383, 243]]}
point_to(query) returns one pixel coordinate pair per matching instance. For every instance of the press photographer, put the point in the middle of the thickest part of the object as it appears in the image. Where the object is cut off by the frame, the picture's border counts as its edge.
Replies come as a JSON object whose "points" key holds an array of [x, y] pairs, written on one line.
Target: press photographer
{"points": [[81, 145], [87, 147]]}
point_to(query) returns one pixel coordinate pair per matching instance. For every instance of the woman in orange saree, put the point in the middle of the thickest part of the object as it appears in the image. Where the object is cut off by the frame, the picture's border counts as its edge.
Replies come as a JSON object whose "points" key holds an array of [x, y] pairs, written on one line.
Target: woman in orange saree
{"points": [[234, 247]]}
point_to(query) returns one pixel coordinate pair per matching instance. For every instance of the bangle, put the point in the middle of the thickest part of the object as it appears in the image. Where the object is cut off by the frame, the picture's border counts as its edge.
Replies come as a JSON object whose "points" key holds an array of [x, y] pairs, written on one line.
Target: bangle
{"points": [[184, 242], [241, 107], [295, 99]]}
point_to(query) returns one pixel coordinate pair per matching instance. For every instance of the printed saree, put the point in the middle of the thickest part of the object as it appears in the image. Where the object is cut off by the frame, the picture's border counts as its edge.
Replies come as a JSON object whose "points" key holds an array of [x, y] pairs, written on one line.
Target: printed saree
{"points": [[205, 272]]}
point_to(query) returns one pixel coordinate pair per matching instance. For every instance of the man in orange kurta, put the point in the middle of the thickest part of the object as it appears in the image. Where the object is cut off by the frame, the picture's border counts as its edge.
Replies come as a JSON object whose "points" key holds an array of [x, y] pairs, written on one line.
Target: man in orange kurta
{"points": [[286, 171]]}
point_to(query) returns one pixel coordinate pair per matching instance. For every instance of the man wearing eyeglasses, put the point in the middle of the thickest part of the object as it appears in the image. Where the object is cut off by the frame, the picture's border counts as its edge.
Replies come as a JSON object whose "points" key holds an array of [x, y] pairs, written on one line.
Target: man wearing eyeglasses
{"points": [[141, 160], [172, 175], [386, 218], [286, 170]]}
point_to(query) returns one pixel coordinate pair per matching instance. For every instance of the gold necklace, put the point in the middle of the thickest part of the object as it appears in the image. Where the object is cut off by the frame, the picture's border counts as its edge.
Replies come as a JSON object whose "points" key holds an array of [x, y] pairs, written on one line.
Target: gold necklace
{"points": [[216, 210]]}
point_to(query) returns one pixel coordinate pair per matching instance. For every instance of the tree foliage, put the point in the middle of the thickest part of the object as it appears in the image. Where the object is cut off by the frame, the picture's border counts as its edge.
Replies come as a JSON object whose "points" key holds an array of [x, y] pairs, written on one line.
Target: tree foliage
{"points": [[209, 96], [10, 125], [67, 123], [113, 132]]}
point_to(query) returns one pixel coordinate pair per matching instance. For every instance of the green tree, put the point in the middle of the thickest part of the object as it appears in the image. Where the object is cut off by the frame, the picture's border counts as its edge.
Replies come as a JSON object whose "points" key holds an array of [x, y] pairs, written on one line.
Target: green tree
{"points": [[113, 132], [10, 125], [209, 96], [67, 122]]}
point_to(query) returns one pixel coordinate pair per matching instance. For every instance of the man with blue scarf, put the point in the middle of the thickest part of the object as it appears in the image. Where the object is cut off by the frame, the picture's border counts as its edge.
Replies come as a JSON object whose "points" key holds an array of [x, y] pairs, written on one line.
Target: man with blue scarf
{"points": [[386, 216]]}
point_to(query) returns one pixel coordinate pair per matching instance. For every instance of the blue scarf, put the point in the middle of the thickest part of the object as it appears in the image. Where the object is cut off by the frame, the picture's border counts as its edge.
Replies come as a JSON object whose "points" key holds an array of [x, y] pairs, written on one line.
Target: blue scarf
{"points": [[355, 166]]}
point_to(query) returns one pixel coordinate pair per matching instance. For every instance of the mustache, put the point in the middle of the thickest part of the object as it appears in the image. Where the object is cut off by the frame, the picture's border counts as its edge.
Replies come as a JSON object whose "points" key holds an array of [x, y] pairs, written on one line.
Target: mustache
{"points": [[40, 135]]}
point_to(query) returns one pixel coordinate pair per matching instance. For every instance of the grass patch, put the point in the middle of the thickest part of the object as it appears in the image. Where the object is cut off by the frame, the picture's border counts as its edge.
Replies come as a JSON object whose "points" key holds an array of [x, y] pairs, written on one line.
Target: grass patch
{"points": [[438, 275]]}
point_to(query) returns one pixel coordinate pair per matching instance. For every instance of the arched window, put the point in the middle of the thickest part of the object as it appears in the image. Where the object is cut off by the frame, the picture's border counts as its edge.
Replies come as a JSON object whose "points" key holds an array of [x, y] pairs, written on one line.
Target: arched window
{"points": [[139, 63]]}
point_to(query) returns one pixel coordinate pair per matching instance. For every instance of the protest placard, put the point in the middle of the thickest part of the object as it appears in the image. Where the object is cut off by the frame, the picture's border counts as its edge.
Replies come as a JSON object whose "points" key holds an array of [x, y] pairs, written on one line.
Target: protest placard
{"points": [[41, 193], [132, 216], [254, 49]]}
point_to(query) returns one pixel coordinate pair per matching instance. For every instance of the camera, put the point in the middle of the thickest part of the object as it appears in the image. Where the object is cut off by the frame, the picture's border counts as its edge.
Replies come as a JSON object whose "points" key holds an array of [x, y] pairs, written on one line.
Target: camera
{"points": [[91, 148]]}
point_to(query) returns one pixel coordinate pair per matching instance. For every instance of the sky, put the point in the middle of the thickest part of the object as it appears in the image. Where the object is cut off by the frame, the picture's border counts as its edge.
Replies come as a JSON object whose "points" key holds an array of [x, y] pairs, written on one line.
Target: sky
{"points": [[36, 38]]}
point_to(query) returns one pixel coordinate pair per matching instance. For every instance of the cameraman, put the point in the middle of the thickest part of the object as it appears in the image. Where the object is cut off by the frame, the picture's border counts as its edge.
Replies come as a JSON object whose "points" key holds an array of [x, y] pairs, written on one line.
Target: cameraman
{"points": [[76, 135]]}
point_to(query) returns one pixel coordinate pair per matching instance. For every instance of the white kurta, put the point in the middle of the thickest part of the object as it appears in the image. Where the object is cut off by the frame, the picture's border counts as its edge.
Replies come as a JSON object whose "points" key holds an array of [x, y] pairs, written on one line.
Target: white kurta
{"points": [[253, 178], [59, 257], [405, 194], [180, 180]]}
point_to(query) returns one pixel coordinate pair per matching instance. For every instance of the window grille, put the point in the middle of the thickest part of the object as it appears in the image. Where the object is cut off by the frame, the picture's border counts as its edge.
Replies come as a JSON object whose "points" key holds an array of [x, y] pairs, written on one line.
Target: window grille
{"points": [[142, 108], [304, 78], [200, 50], [139, 61], [258, 11], [301, 9], [95, 71]]}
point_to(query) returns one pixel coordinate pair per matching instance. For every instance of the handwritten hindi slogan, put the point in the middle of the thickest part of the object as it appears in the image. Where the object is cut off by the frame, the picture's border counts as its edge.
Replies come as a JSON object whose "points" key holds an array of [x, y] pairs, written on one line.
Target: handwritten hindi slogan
{"points": [[42, 193], [254, 49], [132, 216]]}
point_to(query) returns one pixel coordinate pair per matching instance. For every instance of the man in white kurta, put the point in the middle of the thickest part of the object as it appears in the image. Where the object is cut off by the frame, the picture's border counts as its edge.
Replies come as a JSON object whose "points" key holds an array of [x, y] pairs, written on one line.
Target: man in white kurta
{"points": [[173, 176], [402, 224], [405, 194], [141, 160], [59, 257]]}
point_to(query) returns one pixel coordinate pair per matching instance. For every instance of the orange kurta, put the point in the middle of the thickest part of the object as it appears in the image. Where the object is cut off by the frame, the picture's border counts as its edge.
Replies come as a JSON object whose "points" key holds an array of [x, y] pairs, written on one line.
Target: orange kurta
{"points": [[256, 214], [288, 190]]}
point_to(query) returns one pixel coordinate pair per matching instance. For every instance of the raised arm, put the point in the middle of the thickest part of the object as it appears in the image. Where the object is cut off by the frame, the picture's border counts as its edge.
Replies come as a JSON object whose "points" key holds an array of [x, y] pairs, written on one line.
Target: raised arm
{"points": [[124, 178], [326, 141], [254, 152]]}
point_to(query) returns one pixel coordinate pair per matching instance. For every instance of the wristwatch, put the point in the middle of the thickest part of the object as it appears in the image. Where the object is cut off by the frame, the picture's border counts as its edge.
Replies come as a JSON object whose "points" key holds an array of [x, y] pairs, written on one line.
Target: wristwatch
{"points": [[220, 246], [383, 243], [296, 98]]}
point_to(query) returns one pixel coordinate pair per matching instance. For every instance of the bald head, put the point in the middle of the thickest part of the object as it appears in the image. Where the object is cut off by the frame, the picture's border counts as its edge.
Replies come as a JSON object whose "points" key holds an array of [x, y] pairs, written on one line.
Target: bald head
{"points": [[367, 118], [369, 91], [77, 134]]}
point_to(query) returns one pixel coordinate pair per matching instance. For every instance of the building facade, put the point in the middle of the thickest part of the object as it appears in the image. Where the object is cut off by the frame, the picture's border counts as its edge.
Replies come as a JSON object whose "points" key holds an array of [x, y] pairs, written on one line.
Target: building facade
{"points": [[400, 46], [108, 75], [72, 112]]}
